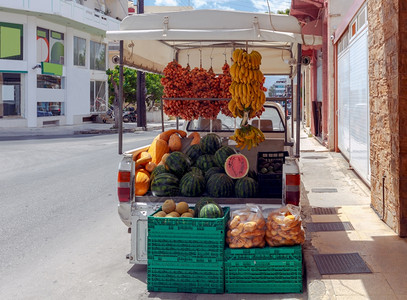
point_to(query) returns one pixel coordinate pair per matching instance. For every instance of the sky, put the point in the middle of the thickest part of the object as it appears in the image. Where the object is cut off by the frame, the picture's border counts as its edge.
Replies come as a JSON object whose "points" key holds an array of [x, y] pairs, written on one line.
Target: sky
{"points": [[239, 5]]}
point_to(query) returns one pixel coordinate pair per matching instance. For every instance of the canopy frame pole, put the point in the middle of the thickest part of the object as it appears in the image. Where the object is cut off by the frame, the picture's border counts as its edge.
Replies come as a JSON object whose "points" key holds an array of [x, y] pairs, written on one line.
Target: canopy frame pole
{"points": [[298, 123], [120, 116]]}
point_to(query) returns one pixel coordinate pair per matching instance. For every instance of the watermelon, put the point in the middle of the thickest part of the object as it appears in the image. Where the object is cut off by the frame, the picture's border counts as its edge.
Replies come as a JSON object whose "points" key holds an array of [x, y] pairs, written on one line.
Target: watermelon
{"points": [[197, 170], [210, 143], [165, 184], [201, 203], [222, 154], [192, 185], [157, 170], [237, 166], [220, 185], [194, 152], [212, 171], [205, 162], [211, 210], [178, 163], [252, 174], [246, 187]]}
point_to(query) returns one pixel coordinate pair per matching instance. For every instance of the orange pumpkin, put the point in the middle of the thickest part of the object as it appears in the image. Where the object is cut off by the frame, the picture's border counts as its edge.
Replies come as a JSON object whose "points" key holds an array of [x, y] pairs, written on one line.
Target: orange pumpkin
{"points": [[174, 143], [167, 134], [150, 166], [141, 182], [196, 138], [163, 159], [157, 149], [143, 159]]}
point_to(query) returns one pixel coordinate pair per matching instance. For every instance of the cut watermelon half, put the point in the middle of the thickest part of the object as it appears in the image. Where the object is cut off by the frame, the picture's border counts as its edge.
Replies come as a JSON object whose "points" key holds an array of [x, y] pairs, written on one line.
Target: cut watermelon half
{"points": [[237, 166]]}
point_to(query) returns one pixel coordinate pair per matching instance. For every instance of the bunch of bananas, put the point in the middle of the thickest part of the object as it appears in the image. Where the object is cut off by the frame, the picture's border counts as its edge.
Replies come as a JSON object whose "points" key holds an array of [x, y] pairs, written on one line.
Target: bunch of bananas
{"points": [[247, 80], [247, 136]]}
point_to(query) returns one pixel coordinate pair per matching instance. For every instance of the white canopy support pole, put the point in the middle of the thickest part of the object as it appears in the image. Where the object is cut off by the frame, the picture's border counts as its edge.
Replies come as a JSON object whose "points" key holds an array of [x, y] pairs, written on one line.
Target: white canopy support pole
{"points": [[298, 114]]}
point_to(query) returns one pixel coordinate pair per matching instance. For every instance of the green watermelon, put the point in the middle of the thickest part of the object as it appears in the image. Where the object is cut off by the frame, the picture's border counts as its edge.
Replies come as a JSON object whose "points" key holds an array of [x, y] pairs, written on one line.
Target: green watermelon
{"points": [[220, 185], [252, 174], [210, 143], [246, 187], [157, 170], [192, 185], [178, 163], [205, 162], [165, 184], [194, 152], [201, 203], [212, 171], [211, 210], [197, 170], [222, 154]]}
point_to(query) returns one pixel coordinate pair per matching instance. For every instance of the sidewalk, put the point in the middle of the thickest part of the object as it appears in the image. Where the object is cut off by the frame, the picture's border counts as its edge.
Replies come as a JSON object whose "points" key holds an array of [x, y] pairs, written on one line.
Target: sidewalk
{"points": [[327, 182], [85, 128]]}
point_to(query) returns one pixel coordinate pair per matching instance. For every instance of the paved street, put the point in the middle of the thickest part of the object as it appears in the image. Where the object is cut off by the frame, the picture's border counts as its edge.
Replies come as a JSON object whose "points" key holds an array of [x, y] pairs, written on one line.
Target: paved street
{"points": [[60, 234]]}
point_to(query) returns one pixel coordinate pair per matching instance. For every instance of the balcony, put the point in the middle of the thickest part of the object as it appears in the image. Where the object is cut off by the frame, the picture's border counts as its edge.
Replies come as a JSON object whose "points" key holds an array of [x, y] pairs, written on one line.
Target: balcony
{"points": [[62, 11]]}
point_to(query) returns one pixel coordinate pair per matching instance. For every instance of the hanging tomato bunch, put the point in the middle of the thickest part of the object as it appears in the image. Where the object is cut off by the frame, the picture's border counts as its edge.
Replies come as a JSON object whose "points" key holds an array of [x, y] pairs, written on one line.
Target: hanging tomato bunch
{"points": [[196, 83]]}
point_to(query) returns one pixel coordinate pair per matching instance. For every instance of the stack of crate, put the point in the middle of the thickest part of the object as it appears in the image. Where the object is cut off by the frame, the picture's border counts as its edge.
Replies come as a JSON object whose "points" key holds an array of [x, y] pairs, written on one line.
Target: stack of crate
{"points": [[264, 270], [186, 254]]}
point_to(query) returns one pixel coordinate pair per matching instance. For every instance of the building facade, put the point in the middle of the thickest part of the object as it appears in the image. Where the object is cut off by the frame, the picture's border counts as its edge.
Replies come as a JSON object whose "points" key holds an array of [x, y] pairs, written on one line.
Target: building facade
{"points": [[53, 59], [360, 72]]}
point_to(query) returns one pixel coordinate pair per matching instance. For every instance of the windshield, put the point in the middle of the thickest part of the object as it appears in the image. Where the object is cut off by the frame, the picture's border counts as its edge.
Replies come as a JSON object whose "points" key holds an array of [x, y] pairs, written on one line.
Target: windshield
{"points": [[270, 121]]}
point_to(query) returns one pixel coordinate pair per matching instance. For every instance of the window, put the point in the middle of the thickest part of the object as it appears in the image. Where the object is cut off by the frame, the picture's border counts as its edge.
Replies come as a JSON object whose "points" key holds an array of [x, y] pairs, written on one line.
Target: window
{"points": [[11, 41], [49, 82], [79, 51], [10, 97], [50, 46], [48, 109], [270, 121], [97, 56], [98, 96]]}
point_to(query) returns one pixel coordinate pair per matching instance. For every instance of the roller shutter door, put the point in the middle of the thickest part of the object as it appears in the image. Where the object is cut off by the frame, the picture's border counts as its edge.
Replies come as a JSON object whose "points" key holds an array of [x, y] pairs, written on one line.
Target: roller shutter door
{"points": [[353, 105]]}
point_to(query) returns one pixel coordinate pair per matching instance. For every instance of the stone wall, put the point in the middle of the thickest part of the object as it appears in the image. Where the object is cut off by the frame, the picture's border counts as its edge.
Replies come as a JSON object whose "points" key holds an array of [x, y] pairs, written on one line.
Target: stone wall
{"points": [[402, 87], [383, 18]]}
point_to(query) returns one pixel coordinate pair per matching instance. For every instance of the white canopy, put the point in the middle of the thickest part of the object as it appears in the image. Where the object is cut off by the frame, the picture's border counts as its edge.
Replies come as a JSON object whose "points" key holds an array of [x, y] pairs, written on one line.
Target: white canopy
{"points": [[208, 37]]}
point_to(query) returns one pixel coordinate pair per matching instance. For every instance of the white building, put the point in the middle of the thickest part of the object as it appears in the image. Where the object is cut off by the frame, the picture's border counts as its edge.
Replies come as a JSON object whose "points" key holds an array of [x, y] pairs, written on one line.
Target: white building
{"points": [[281, 88], [53, 58]]}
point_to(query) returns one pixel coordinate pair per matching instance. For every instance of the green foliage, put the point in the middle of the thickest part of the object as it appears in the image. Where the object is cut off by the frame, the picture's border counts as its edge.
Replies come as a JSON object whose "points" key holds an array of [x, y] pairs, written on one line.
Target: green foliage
{"points": [[153, 85], [284, 12]]}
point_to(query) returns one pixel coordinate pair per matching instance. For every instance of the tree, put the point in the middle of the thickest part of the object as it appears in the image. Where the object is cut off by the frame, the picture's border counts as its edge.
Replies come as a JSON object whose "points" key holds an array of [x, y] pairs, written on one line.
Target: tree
{"points": [[153, 86], [284, 12]]}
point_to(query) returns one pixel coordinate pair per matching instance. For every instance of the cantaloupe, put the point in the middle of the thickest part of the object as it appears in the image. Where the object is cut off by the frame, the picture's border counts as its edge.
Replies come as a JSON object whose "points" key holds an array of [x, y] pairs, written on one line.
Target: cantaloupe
{"points": [[182, 207], [168, 206]]}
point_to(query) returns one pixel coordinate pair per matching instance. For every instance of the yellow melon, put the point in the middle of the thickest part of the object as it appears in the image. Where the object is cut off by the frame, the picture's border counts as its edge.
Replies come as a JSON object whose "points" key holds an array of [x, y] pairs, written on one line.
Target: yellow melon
{"points": [[173, 214], [181, 207], [160, 214], [187, 215], [169, 206]]}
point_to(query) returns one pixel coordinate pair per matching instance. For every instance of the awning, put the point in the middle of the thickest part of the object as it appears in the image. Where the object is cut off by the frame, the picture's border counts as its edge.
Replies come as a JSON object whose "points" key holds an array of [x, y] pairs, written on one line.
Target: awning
{"points": [[208, 37]]}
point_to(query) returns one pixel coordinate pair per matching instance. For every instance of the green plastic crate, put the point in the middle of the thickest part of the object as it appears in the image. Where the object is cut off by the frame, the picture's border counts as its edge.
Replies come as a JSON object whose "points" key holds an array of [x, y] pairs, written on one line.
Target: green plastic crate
{"points": [[267, 253], [180, 225], [263, 276], [186, 278], [198, 240]]}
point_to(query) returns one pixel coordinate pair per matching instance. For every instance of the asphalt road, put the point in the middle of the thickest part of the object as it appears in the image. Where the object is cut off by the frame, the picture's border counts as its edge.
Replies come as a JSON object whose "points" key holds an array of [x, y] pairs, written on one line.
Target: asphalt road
{"points": [[60, 234]]}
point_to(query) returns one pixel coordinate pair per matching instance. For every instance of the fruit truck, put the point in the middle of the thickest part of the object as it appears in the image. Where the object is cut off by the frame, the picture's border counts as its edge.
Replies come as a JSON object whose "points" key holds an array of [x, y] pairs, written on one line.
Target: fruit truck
{"points": [[149, 42]]}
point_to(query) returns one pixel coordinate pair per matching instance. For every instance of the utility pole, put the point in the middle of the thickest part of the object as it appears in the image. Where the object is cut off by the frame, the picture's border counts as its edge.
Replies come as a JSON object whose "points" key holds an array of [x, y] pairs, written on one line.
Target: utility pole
{"points": [[141, 85]]}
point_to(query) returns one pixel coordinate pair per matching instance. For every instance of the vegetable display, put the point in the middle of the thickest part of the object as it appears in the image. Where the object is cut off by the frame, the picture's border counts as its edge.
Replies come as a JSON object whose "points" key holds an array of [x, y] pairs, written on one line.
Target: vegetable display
{"points": [[207, 168]]}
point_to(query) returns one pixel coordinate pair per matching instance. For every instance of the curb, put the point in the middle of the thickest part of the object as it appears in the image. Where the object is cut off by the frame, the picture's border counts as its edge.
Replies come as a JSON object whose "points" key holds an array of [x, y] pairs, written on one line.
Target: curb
{"points": [[115, 131]]}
